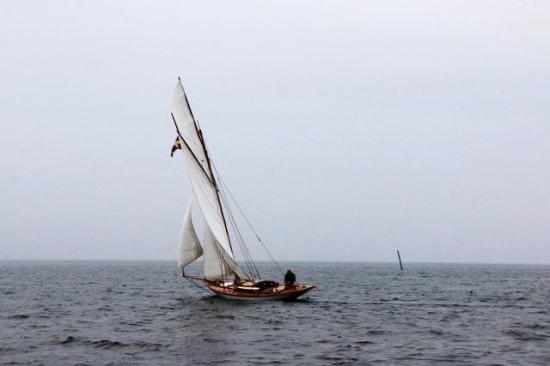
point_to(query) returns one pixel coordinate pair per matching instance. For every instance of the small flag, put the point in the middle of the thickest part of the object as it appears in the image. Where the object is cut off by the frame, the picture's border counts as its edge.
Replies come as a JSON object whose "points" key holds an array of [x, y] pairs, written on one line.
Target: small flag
{"points": [[177, 146]]}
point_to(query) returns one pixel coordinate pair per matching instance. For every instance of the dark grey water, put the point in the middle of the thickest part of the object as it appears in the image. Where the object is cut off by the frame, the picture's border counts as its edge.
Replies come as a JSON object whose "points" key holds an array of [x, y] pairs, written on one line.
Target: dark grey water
{"points": [[142, 313]]}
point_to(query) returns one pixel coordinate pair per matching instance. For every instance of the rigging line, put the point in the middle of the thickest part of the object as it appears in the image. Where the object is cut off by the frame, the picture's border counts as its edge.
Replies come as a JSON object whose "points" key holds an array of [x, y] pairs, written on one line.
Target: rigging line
{"points": [[250, 225], [199, 286], [247, 221], [246, 262], [234, 223], [249, 261], [242, 245], [247, 256], [243, 214]]}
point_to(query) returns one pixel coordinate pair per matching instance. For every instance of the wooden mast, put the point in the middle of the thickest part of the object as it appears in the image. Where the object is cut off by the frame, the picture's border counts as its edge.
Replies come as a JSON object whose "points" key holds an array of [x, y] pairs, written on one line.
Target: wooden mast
{"points": [[213, 178]]}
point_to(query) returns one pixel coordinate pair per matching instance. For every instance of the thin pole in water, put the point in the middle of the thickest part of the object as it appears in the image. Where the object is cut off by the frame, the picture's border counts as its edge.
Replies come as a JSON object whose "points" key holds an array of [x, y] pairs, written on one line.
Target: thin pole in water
{"points": [[400, 263]]}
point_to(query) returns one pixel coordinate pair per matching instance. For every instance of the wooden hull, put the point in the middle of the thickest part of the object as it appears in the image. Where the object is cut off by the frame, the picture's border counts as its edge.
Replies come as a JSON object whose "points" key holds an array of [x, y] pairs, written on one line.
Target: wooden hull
{"points": [[280, 292]]}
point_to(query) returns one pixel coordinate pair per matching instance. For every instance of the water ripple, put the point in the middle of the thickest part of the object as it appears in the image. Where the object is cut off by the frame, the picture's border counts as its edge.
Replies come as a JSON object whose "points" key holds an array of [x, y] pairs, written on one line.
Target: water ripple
{"points": [[91, 313]]}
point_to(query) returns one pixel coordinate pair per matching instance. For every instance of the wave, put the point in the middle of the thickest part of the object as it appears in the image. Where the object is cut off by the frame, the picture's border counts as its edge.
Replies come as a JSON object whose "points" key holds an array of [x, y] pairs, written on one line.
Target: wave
{"points": [[109, 344], [525, 336]]}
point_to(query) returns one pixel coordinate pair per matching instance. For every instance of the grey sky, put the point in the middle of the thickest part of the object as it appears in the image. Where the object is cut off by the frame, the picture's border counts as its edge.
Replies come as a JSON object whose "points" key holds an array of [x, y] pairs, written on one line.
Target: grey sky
{"points": [[345, 129]]}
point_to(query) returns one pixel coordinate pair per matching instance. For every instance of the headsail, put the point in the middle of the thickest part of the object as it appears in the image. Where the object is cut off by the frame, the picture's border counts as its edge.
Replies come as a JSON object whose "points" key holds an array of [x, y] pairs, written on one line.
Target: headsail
{"points": [[190, 247], [217, 263], [213, 265]]}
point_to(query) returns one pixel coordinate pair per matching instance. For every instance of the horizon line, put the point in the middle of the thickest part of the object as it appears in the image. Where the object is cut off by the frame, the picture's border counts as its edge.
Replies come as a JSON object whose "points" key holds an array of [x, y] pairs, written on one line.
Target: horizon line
{"points": [[266, 261]]}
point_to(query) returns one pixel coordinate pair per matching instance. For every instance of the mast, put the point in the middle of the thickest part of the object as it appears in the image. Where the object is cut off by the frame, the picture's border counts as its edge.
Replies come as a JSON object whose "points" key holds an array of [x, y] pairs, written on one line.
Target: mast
{"points": [[213, 178]]}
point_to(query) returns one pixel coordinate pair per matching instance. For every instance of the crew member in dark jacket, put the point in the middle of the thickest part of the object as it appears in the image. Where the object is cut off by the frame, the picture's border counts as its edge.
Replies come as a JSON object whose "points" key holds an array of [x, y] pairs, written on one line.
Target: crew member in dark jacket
{"points": [[290, 278]]}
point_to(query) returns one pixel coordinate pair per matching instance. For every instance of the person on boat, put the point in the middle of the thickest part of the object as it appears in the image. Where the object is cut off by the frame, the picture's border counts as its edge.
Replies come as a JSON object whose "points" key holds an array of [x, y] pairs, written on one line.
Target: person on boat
{"points": [[290, 278]]}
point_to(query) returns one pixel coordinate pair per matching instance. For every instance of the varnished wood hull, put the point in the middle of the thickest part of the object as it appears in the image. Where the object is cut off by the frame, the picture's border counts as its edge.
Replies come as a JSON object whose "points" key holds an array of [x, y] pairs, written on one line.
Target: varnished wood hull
{"points": [[276, 293]]}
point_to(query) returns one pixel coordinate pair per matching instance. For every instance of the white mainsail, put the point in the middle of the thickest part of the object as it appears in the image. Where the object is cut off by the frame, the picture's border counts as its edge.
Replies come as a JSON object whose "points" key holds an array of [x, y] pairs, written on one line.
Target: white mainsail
{"points": [[190, 247], [202, 180]]}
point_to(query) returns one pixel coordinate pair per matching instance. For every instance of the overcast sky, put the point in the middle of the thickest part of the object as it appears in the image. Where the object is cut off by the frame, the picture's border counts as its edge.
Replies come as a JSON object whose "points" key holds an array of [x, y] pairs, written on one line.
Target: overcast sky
{"points": [[345, 129]]}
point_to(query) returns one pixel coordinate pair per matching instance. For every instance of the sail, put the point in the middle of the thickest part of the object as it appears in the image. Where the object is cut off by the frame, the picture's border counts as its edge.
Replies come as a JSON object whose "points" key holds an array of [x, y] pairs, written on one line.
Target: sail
{"points": [[185, 122], [207, 200], [213, 265], [202, 180], [205, 194], [190, 247], [217, 263]]}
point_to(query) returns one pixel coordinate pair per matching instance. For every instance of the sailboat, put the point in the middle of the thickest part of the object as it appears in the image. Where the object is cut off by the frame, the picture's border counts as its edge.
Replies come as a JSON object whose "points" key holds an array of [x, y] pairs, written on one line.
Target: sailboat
{"points": [[221, 273]]}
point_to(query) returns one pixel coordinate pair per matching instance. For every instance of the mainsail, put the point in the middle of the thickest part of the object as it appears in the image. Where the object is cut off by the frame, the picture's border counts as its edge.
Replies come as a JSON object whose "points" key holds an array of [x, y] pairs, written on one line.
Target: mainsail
{"points": [[218, 248]]}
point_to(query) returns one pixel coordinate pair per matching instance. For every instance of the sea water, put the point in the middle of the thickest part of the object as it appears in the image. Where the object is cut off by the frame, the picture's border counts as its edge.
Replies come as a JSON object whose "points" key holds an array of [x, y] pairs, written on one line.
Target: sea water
{"points": [[131, 313]]}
